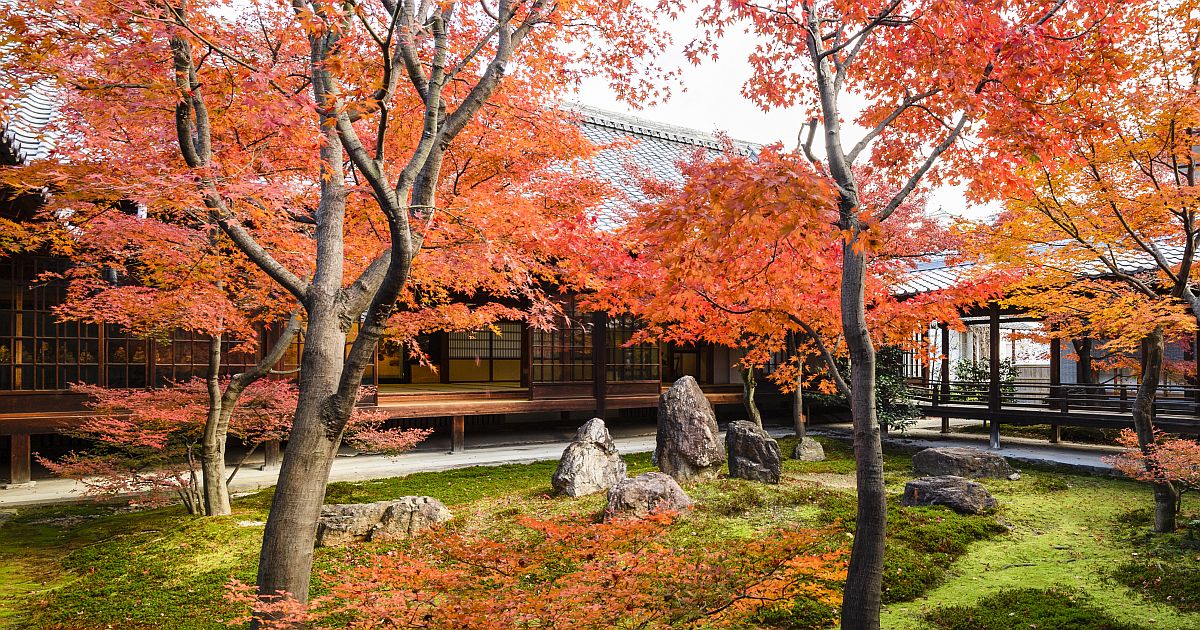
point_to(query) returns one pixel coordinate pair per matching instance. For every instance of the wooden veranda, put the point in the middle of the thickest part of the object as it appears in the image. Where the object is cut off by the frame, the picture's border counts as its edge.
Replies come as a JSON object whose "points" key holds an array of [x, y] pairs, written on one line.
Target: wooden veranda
{"points": [[1050, 402]]}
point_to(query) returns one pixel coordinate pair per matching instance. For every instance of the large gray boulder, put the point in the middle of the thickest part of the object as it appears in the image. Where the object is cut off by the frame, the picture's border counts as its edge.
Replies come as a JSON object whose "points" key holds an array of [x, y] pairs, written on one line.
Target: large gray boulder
{"points": [[961, 461], [645, 494], [689, 443], [957, 493], [590, 462], [752, 453], [808, 450], [347, 523]]}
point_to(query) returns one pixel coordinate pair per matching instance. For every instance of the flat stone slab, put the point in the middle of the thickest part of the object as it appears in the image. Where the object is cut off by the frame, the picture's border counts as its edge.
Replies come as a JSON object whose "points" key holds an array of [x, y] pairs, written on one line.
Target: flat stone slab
{"points": [[957, 493], [960, 461], [347, 523]]}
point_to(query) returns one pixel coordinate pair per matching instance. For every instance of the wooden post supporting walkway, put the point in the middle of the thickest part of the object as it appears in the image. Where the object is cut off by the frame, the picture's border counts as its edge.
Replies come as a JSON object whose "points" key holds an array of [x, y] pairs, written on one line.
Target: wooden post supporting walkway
{"points": [[19, 460], [458, 434], [272, 455]]}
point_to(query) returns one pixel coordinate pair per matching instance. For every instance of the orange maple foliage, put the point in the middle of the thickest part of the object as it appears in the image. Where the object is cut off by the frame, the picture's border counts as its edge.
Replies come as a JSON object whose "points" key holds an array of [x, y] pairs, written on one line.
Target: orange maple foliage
{"points": [[745, 252], [566, 573]]}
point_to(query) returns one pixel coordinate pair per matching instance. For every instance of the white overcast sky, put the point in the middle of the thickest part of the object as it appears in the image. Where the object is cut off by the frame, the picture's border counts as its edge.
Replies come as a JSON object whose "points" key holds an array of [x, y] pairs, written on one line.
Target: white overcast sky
{"points": [[711, 101]]}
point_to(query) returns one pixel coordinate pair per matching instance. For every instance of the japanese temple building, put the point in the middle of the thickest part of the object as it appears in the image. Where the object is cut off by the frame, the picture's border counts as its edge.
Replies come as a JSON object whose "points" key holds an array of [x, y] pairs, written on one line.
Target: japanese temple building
{"points": [[583, 365]]}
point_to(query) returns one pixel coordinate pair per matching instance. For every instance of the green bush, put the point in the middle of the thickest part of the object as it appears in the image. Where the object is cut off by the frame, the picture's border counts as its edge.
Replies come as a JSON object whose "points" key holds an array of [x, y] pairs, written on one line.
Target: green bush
{"points": [[973, 377], [893, 396], [1049, 609]]}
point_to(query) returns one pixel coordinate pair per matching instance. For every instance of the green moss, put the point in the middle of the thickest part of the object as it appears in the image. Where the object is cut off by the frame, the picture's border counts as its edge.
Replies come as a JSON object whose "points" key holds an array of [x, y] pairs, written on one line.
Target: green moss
{"points": [[95, 566], [1044, 609], [1164, 568]]}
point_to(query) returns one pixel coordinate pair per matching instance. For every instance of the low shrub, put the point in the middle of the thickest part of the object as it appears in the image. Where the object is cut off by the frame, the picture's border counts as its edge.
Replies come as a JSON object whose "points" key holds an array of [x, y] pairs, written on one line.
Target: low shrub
{"points": [[575, 573]]}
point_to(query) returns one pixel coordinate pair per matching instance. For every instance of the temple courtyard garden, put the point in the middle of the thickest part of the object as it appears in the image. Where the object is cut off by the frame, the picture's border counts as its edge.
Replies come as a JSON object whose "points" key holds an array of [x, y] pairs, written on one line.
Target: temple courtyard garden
{"points": [[1062, 550]]}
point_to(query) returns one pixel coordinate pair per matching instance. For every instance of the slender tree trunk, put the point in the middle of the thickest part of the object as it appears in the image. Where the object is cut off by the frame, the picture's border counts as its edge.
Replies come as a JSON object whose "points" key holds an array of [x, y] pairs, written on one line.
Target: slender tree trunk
{"points": [[749, 386], [212, 449], [1083, 367], [1165, 495], [798, 420], [864, 579]]}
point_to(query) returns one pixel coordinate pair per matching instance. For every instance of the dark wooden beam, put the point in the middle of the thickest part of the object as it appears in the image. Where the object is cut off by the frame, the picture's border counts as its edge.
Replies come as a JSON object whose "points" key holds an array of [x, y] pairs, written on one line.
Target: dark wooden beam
{"points": [[600, 362], [945, 385], [1055, 385], [526, 354], [994, 399]]}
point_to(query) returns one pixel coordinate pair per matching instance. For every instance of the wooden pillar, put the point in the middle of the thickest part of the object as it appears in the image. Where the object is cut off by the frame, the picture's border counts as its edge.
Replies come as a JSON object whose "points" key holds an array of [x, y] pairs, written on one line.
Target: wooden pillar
{"points": [[1055, 385], [994, 400], [945, 384], [458, 434], [526, 354], [272, 455], [20, 460], [600, 362], [444, 360], [1196, 393]]}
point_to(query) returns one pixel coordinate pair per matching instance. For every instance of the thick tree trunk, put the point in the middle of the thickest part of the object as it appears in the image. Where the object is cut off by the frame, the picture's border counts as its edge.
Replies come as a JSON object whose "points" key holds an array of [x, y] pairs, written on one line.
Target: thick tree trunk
{"points": [[749, 386], [864, 579], [287, 549], [1165, 495]]}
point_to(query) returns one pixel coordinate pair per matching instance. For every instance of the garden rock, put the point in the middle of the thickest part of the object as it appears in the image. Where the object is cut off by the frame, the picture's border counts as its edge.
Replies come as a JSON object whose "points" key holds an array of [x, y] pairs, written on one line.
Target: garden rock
{"points": [[689, 444], [809, 450], [645, 494], [957, 493], [347, 523], [961, 461], [590, 462], [752, 453]]}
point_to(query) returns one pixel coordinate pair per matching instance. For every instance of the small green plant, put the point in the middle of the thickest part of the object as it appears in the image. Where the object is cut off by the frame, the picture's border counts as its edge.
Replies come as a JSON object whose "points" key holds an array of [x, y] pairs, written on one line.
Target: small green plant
{"points": [[893, 396], [972, 379]]}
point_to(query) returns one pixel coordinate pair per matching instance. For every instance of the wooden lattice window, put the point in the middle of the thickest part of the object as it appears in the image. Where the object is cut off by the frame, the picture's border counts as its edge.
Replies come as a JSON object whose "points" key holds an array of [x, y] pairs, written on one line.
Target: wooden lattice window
{"points": [[564, 354], [630, 363]]}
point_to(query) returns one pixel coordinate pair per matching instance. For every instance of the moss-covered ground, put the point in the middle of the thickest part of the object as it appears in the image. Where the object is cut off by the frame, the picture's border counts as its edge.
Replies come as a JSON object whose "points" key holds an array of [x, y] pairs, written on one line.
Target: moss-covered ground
{"points": [[1063, 550]]}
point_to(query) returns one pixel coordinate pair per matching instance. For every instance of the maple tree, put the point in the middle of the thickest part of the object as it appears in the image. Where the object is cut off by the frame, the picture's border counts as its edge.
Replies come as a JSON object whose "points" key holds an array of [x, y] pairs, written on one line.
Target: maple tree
{"points": [[743, 253], [933, 74], [329, 144], [148, 443], [1101, 216], [566, 573], [153, 279], [1166, 460]]}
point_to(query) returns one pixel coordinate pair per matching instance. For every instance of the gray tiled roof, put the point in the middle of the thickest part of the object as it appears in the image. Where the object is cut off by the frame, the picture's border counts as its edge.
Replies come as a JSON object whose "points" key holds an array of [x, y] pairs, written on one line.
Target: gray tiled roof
{"points": [[23, 137], [937, 275], [646, 148]]}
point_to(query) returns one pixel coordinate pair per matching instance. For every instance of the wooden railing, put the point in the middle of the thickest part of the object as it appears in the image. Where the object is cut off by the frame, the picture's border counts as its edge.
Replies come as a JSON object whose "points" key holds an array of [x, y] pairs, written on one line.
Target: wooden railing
{"points": [[1115, 398]]}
